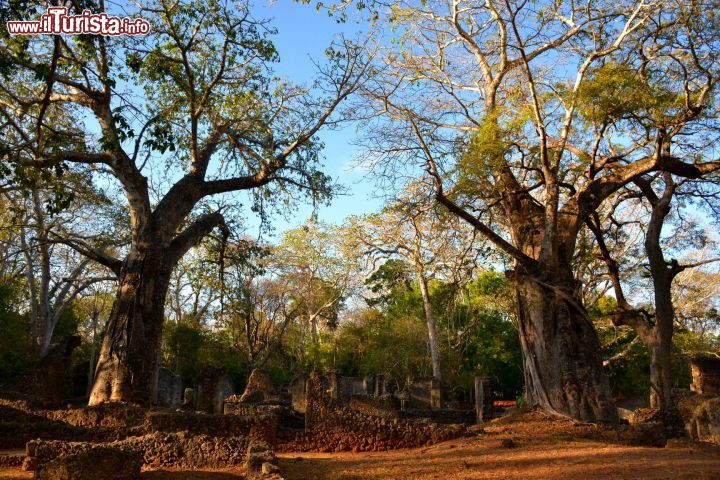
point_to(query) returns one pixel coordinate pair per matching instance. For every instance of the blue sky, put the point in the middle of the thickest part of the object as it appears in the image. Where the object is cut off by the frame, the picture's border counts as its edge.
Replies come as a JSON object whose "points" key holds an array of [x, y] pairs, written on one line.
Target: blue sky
{"points": [[303, 34]]}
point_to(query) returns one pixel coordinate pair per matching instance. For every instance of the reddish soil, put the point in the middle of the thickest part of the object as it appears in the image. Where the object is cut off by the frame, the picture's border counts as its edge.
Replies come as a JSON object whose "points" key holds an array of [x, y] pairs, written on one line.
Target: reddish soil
{"points": [[544, 448], [229, 474]]}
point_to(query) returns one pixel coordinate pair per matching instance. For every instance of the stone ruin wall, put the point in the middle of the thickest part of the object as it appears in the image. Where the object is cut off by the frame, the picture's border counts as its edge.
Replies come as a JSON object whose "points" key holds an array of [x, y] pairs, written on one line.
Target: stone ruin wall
{"points": [[19, 424], [705, 371], [385, 406], [169, 392], [177, 449], [332, 426]]}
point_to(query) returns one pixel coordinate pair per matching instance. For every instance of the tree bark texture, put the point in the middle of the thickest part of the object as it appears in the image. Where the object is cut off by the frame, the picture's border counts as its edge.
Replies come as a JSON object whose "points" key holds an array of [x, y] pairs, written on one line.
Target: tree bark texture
{"points": [[129, 355], [561, 353]]}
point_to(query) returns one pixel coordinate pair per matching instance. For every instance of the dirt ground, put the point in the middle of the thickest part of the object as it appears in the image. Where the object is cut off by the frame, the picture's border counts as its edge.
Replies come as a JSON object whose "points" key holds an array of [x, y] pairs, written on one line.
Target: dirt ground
{"points": [[229, 474], [544, 448], [485, 459]]}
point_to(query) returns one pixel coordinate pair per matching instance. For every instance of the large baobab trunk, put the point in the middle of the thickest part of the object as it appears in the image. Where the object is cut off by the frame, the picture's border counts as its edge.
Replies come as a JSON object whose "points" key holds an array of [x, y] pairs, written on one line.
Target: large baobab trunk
{"points": [[561, 352], [130, 351], [432, 331]]}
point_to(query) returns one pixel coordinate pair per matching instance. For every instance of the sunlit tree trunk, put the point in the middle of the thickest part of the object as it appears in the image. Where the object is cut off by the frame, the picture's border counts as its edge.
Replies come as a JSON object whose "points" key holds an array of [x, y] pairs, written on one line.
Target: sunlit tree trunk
{"points": [[130, 351], [561, 352], [430, 318]]}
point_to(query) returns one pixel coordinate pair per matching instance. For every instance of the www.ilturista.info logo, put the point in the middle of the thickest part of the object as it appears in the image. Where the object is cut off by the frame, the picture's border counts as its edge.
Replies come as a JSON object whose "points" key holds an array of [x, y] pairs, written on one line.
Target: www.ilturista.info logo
{"points": [[57, 22]]}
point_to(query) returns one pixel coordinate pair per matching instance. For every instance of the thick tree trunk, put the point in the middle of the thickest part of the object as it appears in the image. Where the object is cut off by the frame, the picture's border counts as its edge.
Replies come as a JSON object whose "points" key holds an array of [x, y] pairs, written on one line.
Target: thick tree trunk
{"points": [[660, 374], [661, 343], [130, 352], [561, 352], [662, 275], [432, 331]]}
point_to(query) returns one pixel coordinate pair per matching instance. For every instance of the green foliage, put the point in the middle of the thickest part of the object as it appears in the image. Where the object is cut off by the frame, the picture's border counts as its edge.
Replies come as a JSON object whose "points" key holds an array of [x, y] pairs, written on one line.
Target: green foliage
{"points": [[629, 371], [391, 277], [182, 348], [487, 339], [490, 143], [189, 347], [603, 307], [616, 91], [16, 353], [477, 336], [67, 325]]}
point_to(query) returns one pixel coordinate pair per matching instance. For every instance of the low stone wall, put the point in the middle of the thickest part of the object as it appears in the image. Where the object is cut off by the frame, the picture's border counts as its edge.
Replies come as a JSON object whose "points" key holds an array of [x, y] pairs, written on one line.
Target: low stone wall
{"points": [[97, 463], [284, 415], [20, 423], [385, 406], [331, 426], [181, 450], [11, 461], [700, 414], [261, 427], [444, 416], [248, 409], [110, 415]]}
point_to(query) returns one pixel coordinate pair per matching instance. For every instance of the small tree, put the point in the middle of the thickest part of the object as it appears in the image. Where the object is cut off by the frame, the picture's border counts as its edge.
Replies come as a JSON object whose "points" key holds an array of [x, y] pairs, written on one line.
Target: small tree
{"points": [[430, 244]]}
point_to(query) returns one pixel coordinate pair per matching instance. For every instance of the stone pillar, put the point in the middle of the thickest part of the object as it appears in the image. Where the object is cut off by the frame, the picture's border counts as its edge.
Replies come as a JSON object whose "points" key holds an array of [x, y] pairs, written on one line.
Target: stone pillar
{"points": [[188, 402], [47, 380], [334, 384], [213, 386], [297, 389], [403, 397], [368, 385], [260, 388], [483, 399], [169, 389], [435, 393], [380, 385]]}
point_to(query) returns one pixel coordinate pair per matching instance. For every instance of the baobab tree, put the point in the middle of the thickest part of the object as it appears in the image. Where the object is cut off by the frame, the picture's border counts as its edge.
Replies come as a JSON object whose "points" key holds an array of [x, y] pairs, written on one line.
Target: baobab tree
{"points": [[528, 117], [196, 98]]}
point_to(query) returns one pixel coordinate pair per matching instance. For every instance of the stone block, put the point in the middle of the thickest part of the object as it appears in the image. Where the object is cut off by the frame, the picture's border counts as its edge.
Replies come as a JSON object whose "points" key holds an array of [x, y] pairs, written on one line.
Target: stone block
{"points": [[212, 387], [706, 374], [169, 389], [483, 399], [296, 388], [99, 463], [260, 388], [420, 393]]}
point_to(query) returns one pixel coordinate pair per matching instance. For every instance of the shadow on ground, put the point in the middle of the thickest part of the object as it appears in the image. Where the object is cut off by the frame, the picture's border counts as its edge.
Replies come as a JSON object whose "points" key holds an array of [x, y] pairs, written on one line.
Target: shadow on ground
{"points": [[191, 475]]}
